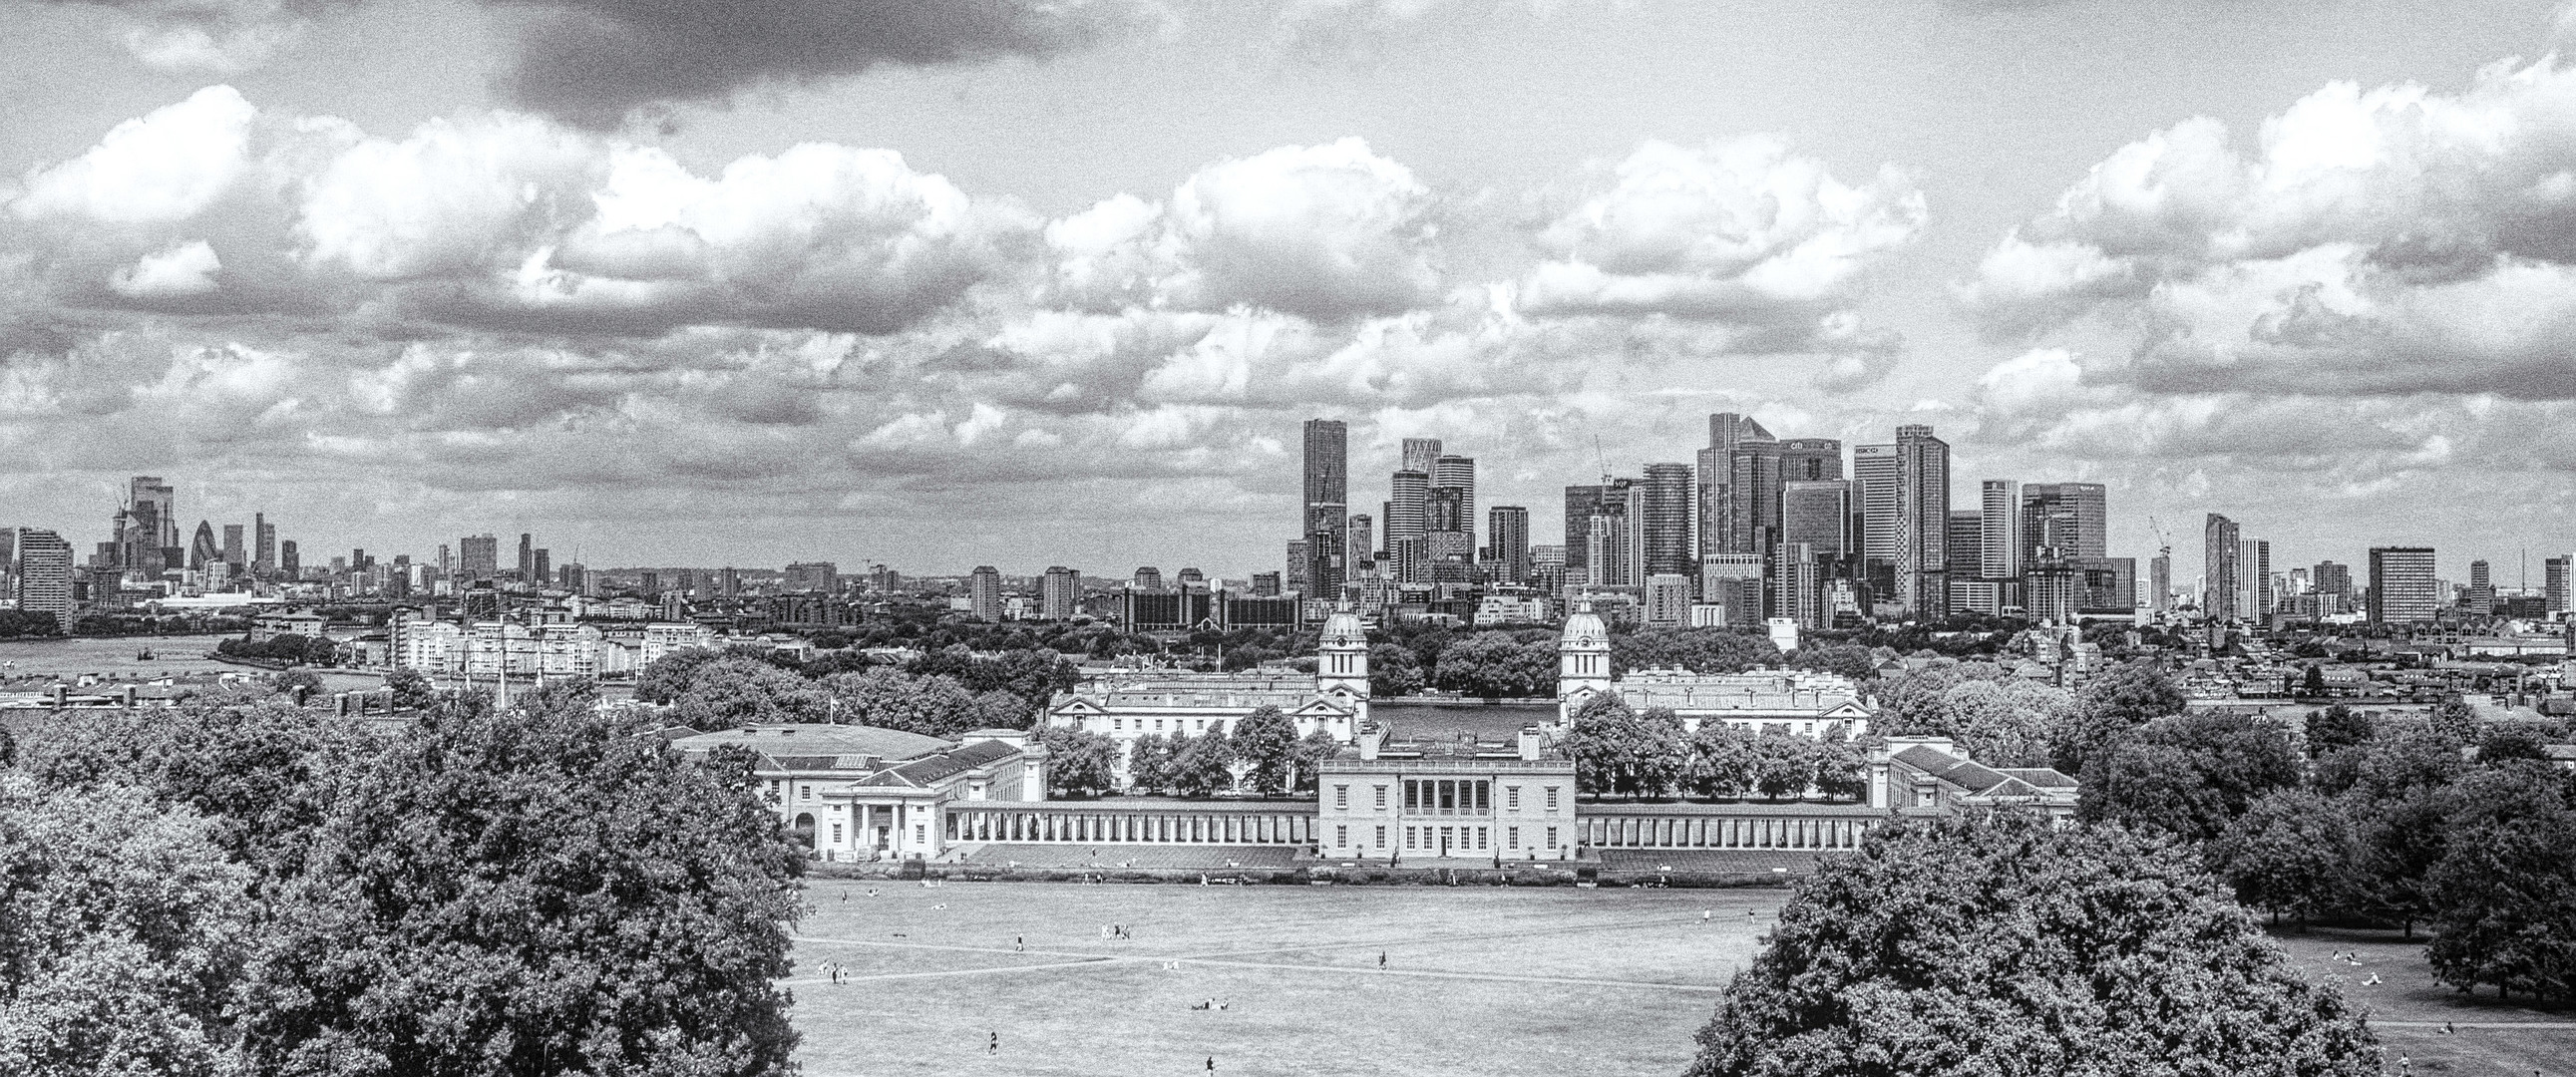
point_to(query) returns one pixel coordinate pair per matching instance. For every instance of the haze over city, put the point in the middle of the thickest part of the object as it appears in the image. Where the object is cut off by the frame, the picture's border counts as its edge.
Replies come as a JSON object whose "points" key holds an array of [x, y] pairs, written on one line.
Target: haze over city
{"points": [[1057, 285]]}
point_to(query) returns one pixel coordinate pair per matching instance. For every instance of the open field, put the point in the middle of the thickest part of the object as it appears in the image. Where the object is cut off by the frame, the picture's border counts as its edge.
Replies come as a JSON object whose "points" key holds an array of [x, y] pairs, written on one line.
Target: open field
{"points": [[1503, 981]]}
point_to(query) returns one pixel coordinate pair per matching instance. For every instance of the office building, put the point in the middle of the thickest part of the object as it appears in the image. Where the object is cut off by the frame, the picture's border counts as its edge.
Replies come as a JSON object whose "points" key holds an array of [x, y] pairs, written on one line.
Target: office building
{"points": [[544, 563], [42, 577], [2160, 583], [1408, 510], [1666, 519], [1327, 491], [1714, 510], [263, 549], [1419, 453], [1581, 504], [1507, 532], [1999, 543], [289, 567], [984, 593], [2481, 597], [235, 557], [203, 551], [2069, 517], [1878, 473], [1753, 498], [1667, 600], [1923, 520], [527, 556], [478, 557], [1060, 592], [1458, 473], [2402, 587], [2219, 584], [2553, 575], [1970, 590], [1363, 551], [818, 576], [1818, 513]]}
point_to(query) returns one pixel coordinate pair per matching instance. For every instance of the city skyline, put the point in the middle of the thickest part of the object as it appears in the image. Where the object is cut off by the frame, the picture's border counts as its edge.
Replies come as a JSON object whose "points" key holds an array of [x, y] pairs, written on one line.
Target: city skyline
{"points": [[1109, 341]]}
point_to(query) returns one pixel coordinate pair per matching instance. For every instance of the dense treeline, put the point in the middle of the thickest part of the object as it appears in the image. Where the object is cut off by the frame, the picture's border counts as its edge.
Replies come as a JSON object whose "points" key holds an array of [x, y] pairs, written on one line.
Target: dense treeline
{"points": [[1263, 755], [941, 693], [1625, 752], [235, 887], [291, 648]]}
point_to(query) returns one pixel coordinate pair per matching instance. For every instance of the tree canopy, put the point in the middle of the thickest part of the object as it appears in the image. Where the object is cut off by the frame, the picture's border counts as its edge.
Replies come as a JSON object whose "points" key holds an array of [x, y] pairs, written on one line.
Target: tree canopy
{"points": [[1993, 943]]}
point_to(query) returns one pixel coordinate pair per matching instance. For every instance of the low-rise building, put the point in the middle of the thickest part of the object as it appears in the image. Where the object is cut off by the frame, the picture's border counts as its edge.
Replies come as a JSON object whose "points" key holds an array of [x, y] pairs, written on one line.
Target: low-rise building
{"points": [[852, 792]]}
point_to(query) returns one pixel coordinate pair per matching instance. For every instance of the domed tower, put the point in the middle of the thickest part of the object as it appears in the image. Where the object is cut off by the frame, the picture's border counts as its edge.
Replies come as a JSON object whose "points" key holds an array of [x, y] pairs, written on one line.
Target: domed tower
{"points": [[1341, 668], [1582, 662]]}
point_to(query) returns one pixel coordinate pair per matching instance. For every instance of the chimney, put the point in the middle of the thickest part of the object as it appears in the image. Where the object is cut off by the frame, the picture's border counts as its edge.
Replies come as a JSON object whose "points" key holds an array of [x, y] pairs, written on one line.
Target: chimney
{"points": [[62, 695], [1529, 744], [1372, 737]]}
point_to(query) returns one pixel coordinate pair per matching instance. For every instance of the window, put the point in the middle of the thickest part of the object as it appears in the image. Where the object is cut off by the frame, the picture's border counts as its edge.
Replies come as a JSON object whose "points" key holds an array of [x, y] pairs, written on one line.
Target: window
{"points": [[836, 833], [1117, 724], [1551, 806], [1412, 794], [1511, 837], [1551, 836], [1158, 725], [805, 792], [1381, 837], [1512, 797], [1202, 725], [1342, 798], [921, 834], [1480, 836], [1381, 801], [1408, 838], [1341, 837]]}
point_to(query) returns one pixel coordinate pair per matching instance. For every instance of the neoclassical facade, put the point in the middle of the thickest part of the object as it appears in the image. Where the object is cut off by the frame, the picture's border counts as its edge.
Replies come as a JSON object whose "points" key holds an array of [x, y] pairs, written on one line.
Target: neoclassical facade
{"points": [[1797, 701], [1124, 707]]}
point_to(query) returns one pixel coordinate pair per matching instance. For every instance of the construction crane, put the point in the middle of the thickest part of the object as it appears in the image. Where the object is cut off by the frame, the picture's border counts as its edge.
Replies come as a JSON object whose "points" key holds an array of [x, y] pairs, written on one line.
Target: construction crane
{"points": [[1601, 458], [2164, 538]]}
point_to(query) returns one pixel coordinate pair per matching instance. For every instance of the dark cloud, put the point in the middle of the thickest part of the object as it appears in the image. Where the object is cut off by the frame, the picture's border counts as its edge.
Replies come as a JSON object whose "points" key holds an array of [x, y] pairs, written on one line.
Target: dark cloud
{"points": [[594, 62]]}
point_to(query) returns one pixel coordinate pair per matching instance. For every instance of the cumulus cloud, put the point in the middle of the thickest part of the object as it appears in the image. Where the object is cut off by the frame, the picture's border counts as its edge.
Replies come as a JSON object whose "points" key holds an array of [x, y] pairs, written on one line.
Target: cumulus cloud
{"points": [[185, 270], [2382, 241], [209, 36], [1327, 232]]}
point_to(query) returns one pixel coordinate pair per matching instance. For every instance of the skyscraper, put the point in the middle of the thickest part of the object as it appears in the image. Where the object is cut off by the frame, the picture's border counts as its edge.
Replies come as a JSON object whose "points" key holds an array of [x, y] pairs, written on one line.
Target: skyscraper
{"points": [[1327, 488], [527, 556], [1060, 593], [1879, 473], [1967, 545], [43, 576], [263, 551], [1458, 473], [146, 534], [2070, 517], [478, 557], [2481, 590], [1712, 512], [2218, 572], [2402, 589], [2330, 578], [234, 555], [1924, 488], [542, 565], [1666, 519], [1999, 542], [1363, 542], [1818, 515], [1408, 505], [1581, 503], [289, 566], [203, 551], [1753, 498], [984, 593], [1507, 529], [2553, 576], [1613, 544], [2160, 582], [1419, 453]]}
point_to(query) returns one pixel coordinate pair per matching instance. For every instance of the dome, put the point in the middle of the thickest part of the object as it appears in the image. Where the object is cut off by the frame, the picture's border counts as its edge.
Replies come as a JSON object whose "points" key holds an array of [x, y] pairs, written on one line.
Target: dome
{"points": [[1584, 631], [1343, 630]]}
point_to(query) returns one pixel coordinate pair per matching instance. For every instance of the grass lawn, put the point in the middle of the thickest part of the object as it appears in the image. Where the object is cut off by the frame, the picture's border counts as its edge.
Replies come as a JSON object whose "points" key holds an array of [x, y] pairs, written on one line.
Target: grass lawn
{"points": [[1501, 981]]}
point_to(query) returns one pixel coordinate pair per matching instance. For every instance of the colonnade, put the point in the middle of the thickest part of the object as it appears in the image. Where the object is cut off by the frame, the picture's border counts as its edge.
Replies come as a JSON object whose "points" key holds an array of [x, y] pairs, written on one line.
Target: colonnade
{"points": [[1109, 823], [1611, 830]]}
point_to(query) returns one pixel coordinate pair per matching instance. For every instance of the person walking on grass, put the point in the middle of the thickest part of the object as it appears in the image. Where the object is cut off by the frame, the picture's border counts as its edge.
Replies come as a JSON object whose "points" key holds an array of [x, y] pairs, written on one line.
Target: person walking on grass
{"points": [[1381, 960], [993, 1045]]}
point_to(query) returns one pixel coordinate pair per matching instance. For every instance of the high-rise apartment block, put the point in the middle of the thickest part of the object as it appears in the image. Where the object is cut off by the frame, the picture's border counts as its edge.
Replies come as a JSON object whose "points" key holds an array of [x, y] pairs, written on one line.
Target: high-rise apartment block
{"points": [[1666, 518], [984, 593], [1924, 520], [42, 575], [821, 577], [2219, 584], [289, 566], [2553, 576], [2254, 599], [1999, 519], [2402, 588], [1507, 532], [1060, 593]]}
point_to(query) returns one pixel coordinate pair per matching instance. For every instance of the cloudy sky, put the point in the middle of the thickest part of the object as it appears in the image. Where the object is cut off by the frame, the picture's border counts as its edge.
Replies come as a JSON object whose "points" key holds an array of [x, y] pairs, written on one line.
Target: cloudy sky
{"points": [[1055, 282]]}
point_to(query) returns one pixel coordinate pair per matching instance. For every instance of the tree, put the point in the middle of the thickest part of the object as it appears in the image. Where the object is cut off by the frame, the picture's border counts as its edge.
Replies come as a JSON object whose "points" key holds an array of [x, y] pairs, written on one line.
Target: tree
{"points": [[1994, 943], [123, 930], [549, 890], [2313, 685], [1393, 671], [411, 689], [1310, 752], [2123, 698], [1841, 766], [2292, 852], [1618, 750], [1846, 659], [2504, 890], [1079, 763], [1202, 765], [2335, 728], [1784, 763], [1265, 741], [296, 684], [1722, 759], [1149, 762], [669, 675], [2188, 775], [893, 699], [735, 691], [1495, 665], [1700, 650]]}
